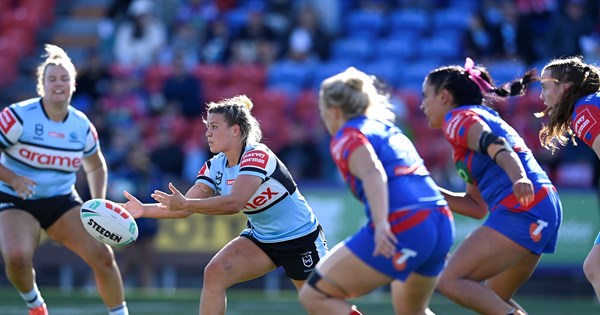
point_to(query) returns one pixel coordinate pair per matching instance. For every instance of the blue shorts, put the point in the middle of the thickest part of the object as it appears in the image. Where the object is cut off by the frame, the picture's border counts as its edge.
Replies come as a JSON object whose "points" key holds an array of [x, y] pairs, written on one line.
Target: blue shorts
{"points": [[534, 227], [597, 241], [424, 238]]}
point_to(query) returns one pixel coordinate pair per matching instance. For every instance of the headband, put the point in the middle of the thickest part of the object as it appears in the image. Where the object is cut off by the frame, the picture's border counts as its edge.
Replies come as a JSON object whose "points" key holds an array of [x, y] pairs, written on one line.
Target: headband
{"points": [[475, 76]]}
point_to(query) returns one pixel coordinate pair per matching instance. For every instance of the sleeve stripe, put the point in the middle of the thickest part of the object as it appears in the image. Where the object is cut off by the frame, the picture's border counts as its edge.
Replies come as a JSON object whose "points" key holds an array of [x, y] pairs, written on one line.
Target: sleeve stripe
{"points": [[206, 179], [16, 115], [253, 169]]}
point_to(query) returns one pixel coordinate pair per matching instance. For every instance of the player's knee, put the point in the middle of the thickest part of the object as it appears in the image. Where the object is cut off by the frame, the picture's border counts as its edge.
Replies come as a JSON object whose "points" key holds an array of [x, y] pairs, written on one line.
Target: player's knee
{"points": [[101, 257], [444, 285], [18, 259], [216, 274], [591, 268]]}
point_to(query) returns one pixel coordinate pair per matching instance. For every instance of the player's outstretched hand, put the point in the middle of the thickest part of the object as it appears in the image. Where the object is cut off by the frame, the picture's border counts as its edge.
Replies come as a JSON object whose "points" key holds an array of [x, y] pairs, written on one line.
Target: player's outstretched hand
{"points": [[173, 202], [133, 205]]}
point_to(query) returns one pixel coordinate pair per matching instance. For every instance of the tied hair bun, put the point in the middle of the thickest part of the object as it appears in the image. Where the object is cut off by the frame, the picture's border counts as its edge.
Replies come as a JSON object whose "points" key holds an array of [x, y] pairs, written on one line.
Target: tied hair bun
{"points": [[243, 101], [355, 83]]}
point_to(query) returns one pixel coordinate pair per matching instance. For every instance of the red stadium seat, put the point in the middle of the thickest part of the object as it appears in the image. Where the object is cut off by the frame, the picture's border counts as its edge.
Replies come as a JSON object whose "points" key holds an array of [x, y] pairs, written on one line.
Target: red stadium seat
{"points": [[9, 70], [306, 109], [155, 76], [212, 74], [273, 101], [248, 74]]}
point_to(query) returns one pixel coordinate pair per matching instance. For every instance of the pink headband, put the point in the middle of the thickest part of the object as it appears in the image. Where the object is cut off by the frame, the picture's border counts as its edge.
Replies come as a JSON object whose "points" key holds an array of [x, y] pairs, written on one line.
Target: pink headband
{"points": [[475, 76]]}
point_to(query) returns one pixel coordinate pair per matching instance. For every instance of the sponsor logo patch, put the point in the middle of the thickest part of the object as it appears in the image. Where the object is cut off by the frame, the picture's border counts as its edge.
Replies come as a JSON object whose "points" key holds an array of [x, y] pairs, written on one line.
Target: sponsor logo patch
{"points": [[583, 123], [7, 120], [400, 259], [255, 158]]}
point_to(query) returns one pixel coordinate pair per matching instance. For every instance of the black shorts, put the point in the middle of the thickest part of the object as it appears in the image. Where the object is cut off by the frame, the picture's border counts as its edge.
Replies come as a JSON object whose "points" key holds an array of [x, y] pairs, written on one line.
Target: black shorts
{"points": [[45, 210], [299, 256]]}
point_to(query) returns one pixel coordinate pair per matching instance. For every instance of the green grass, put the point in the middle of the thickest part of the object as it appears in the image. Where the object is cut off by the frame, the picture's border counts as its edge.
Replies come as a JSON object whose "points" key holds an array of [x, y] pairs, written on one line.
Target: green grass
{"points": [[185, 301]]}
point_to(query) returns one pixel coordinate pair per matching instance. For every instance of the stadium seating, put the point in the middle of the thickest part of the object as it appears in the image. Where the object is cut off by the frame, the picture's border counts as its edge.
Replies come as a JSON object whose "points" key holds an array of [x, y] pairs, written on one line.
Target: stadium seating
{"points": [[352, 49], [370, 24], [409, 19]]}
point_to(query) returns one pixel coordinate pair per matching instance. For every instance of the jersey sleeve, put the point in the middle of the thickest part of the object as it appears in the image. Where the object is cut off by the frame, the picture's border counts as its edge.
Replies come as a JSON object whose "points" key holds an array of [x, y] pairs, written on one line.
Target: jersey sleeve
{"points": [[344, 144], [204, 176], [256, 163], [11, 127], [457, 125], [585, 123], [91, 141]]}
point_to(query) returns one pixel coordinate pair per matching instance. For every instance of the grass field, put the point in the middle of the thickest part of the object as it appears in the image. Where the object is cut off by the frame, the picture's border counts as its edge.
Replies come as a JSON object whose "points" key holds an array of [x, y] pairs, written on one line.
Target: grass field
{"points": [[185, 301]]}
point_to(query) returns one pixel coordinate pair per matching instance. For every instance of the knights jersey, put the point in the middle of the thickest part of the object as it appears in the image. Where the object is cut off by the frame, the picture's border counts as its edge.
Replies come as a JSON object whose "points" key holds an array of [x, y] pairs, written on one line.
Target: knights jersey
{"points": [[478, 168], [585, 121], [46, 151], [277, 212], [409, 183]]}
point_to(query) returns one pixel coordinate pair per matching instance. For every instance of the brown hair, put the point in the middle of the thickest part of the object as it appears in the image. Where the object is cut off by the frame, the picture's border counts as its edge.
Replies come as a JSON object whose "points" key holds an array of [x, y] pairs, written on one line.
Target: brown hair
{"points": [[582, 79], [236, 111]]}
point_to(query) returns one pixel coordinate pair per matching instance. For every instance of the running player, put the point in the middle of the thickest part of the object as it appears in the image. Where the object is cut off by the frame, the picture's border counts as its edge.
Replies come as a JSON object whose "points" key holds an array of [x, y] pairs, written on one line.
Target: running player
{"points": [[409, 230], [502, 178], [45, 141], [570, 90], [245, 176]]}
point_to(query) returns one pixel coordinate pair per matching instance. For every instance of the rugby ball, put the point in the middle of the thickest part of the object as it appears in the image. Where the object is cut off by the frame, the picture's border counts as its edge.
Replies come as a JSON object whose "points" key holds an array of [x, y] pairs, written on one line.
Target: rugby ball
{"points": [[108, 222]]}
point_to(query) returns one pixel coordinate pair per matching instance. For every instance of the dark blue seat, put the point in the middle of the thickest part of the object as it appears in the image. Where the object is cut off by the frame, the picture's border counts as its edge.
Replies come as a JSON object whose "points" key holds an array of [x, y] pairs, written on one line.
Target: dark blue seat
{"points": [[386, 70], [354, 49], [396, 47], [365, 23], [285, 73], [409, 19]]}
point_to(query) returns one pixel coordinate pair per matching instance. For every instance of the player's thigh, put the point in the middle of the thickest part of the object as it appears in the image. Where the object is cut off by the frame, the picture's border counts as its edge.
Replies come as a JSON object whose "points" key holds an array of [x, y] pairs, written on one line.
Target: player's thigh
{"points": [[484, 254], [69, 231], [19, 233], [413, 294], [240, 260], [506, 283], [344, 275]]}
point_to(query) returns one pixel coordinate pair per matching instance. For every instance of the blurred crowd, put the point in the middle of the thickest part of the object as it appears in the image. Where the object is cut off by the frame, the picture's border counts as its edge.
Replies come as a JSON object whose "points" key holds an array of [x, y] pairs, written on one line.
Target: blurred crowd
{"points": [[144, 87]]}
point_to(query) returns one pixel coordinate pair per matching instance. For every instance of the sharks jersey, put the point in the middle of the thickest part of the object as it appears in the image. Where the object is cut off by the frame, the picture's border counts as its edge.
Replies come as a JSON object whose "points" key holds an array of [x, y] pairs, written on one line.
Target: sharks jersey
{"points": [[585, 120], [46, 151], [277, 212]]}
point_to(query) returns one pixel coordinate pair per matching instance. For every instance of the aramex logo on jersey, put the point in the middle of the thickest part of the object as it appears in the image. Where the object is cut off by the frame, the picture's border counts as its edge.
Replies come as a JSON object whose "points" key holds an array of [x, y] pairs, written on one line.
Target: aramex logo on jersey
{"points": [[255, 158], [583, 122], [7, 120]]}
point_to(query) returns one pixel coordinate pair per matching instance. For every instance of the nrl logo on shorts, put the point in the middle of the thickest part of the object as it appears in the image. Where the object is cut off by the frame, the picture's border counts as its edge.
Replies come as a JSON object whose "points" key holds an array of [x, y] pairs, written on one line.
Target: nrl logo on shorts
{"points": [[307, 260]]}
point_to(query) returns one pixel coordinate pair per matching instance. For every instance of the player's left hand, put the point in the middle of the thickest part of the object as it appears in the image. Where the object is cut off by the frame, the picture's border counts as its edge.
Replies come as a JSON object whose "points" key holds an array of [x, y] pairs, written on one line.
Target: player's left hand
{"points": [[172, 201], [385, 240], [523, 190]]}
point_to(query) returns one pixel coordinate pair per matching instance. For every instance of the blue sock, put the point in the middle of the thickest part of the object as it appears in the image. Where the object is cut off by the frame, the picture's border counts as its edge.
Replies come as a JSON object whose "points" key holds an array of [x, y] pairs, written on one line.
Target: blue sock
{"points": [[32, 298], [119, 310]]}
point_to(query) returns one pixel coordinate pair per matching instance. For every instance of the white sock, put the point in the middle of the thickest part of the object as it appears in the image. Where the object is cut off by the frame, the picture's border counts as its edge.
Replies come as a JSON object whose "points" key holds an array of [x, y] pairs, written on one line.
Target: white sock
{"points": [[32, 298], [119, 310]]}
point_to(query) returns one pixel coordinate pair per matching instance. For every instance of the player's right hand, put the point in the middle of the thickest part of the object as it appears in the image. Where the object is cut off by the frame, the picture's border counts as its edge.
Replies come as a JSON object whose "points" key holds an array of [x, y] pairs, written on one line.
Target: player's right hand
{"points": [[24, 186], [133, 205]]}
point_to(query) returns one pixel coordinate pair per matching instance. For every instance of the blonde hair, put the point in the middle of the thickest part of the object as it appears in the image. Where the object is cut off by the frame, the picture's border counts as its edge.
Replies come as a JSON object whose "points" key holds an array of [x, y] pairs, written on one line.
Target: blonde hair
{"points": [[355, 93], [58, 57], [236, 111]]}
